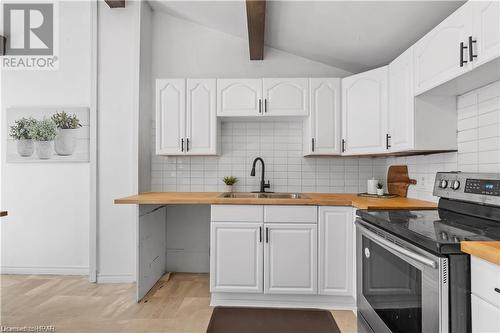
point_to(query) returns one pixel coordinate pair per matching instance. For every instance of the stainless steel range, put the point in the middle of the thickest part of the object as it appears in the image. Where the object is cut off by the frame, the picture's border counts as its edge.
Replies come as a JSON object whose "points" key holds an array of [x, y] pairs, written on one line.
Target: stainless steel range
{"points": [[411, 275]]}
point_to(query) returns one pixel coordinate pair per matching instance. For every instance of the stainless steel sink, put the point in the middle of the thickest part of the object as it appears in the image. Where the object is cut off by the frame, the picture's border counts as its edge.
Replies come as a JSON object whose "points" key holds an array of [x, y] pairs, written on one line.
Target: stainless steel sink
{"points": [[264, 195]]}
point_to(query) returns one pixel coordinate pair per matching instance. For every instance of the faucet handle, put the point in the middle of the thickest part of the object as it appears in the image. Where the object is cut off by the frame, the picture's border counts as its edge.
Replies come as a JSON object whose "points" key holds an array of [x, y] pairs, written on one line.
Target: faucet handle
{"points": [[267, 185]]}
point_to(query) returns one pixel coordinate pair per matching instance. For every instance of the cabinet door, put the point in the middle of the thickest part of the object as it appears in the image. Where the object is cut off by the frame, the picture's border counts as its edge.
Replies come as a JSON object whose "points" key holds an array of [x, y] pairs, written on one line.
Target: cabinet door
{"points": [[485, 317], [236, 257], [364, 112], [286, 97], [336, 251], [401, 102], [170, 116], [486, 30], [201, 117], [290, 258], [239, 97], [437, 54], [322, 128]]}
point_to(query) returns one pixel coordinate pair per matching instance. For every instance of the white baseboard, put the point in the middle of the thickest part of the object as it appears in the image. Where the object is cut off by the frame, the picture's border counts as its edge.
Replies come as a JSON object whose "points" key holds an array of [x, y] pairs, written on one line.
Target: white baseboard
{"points": [[45, 270], [284, 301], [115, 278]]}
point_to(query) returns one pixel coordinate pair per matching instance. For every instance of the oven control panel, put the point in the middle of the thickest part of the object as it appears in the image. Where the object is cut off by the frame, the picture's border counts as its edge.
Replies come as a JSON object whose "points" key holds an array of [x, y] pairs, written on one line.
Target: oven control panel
{"points": [[473, 187]]}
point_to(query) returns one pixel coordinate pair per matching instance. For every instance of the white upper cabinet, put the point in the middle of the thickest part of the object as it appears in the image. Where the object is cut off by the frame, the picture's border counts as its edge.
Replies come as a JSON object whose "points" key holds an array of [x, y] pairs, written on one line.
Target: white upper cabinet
{"points": [[262, 97], [336, 261], [438, 54], [322, 127], [401, 102], [170, 116], [364, 113], [186, 120], [290, 258], [239, 97], [286, 97], [486, 31], [201, 117]]}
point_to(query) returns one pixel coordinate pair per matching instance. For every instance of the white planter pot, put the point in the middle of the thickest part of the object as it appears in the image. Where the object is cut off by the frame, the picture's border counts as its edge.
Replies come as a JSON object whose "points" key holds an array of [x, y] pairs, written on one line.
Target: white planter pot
{"points": [[380, 191], [65, 142], [43, 149], [25, 147], [229, 188]]}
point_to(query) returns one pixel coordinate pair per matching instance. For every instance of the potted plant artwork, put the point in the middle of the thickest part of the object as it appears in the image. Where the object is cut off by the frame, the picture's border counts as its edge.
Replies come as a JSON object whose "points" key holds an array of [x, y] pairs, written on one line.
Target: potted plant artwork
{"points": [[20, 132], [229, 181], [65, 141], [43, 133], [380, 189]]}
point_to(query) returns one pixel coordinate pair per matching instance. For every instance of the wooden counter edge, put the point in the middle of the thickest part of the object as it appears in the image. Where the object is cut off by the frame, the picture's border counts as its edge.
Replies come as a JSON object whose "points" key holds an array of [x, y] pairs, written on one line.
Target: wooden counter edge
{"points": [[486, 250], [155, 198]]}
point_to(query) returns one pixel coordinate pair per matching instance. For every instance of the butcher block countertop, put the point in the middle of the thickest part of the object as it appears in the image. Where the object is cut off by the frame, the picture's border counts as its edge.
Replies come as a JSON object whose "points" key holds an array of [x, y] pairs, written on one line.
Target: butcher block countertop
{"points": [[316, 199], [489, 250]]}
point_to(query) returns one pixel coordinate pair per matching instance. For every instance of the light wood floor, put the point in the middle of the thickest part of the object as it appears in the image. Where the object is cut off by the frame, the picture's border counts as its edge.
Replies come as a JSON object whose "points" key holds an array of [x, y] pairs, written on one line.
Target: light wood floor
{"points": [[72, 304]]}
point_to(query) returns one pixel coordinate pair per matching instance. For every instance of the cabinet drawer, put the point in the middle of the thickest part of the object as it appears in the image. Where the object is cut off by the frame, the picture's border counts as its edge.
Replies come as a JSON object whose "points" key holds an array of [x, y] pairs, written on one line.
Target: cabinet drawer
{"points": [[485, 277], [485, 317], [291, 214], [237, 213]]}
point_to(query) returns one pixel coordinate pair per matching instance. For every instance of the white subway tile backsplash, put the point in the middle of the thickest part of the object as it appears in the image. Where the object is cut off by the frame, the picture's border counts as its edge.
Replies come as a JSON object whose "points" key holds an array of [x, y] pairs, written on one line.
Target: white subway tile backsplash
{"points": [[279, 143]]}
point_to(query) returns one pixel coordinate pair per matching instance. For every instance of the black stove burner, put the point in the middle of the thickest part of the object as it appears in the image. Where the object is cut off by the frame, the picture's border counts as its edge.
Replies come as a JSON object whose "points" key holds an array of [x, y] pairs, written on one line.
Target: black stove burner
{"points": [[439, 231]]}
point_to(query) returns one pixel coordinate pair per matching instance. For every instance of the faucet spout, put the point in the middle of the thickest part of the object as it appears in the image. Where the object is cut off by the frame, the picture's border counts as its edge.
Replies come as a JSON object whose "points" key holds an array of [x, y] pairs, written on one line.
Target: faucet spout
{"points": [[263, 184]]}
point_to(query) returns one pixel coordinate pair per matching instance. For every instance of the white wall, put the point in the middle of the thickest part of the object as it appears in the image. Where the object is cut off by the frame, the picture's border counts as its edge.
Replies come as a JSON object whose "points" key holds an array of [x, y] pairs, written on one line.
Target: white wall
{"points": [[47, 230], [118, 118], [146, 108], [478, 143], [185, 49]]}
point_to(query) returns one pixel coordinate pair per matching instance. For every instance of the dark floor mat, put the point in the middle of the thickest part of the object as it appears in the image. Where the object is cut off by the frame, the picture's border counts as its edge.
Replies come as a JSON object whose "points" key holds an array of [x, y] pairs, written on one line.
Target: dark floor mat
{"points": [[270, 320]]}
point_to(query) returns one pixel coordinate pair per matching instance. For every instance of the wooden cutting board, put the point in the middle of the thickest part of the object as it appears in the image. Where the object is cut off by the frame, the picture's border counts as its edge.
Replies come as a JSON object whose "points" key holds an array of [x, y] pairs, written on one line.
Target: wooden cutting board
{"points": [[398, 180]]}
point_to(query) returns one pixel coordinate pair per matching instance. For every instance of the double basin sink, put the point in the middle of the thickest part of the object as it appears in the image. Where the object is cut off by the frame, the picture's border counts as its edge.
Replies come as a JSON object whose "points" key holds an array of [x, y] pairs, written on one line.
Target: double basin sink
{"points": [[263, 195]]}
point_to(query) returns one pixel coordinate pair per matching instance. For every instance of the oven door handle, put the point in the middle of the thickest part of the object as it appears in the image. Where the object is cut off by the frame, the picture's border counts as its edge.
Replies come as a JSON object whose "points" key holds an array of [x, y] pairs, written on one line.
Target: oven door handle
{"points": [[415, 256]]}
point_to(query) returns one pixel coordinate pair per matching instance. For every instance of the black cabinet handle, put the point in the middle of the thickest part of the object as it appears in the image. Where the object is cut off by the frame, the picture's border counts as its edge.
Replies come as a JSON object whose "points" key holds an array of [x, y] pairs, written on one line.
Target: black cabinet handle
{"points": [[471, 49], [462, 48], [182, 145], [497, 290], [260, 105], [260, 234], [265, 105], [387, 141], [187, 144], [312, 144], [267, 235], [343, 145]]}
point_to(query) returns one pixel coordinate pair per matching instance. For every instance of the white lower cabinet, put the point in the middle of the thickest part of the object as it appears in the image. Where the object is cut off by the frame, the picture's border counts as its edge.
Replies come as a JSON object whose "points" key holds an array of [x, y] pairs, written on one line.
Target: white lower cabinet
{"points": [[270, 253], [485, 296], [290, 258], [485, 317], [336, 243], [236, 257]]}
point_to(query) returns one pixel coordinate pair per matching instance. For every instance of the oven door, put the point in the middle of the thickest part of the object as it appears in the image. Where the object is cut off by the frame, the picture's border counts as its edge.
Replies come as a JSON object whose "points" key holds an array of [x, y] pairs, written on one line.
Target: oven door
{"points": [[400, 288]]}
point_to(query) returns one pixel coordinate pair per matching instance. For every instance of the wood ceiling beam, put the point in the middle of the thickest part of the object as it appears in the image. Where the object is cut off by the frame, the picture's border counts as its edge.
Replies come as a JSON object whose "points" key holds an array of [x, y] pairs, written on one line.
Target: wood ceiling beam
{"points": [[115, 3], [256, 20]]}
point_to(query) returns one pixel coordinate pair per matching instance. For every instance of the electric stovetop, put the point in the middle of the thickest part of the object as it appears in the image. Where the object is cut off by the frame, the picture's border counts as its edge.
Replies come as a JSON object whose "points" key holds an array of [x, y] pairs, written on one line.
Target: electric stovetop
{"points": [[439, 231]]}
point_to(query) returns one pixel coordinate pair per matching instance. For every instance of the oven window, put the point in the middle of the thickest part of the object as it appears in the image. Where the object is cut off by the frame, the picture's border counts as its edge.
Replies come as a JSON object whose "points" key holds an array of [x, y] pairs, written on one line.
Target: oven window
{"points": [[393, 288]]}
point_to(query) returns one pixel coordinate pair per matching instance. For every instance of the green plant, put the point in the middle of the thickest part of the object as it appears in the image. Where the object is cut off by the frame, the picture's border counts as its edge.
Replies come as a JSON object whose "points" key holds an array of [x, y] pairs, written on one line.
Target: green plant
{"points": [[64, 121], [43, 130], [21, 128], [230, 180], [380, 186]]}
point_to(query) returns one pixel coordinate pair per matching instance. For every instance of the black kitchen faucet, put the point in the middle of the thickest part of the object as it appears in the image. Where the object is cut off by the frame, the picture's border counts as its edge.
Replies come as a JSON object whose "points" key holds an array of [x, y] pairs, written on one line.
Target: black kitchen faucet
{"points": [[263, 184]]}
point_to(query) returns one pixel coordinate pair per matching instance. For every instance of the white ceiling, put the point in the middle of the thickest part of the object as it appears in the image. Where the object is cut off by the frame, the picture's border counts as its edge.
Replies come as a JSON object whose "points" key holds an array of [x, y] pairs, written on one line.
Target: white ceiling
{"points": [[352, 35]]}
